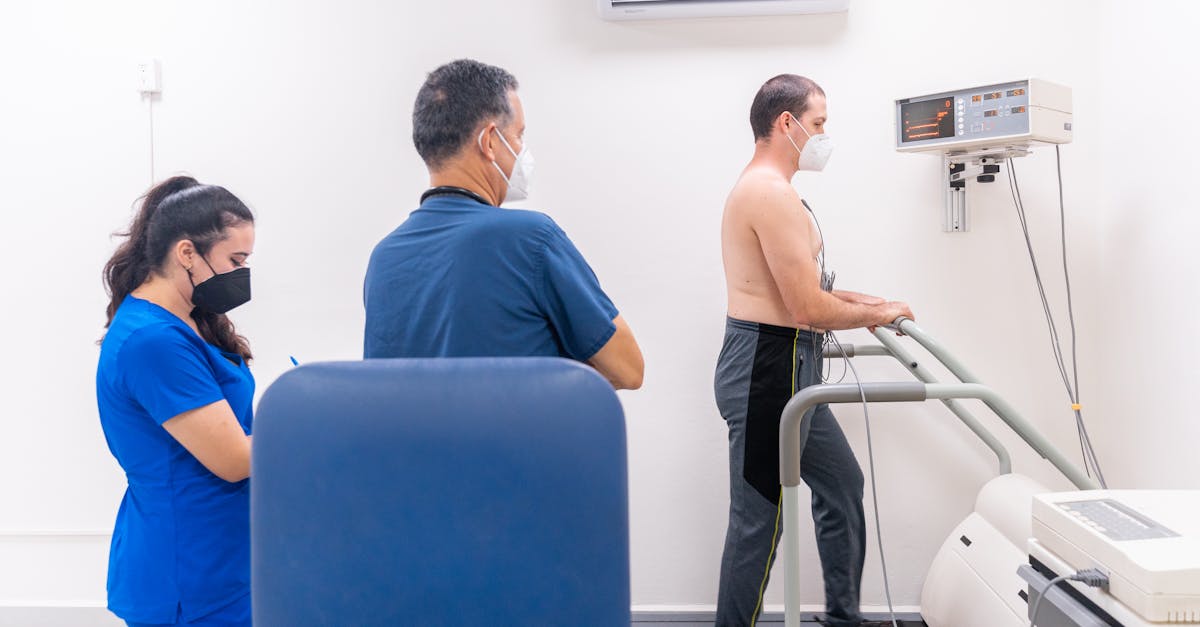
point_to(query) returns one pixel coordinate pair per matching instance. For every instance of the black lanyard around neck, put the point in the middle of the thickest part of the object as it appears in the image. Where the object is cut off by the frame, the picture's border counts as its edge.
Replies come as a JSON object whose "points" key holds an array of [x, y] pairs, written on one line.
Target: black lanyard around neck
{"points": [[449, 190]]}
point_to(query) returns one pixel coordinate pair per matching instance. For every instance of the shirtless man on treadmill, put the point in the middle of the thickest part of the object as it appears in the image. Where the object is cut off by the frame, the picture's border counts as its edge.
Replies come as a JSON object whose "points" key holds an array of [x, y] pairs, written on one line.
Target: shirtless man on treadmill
{"points": [[780, 306]]}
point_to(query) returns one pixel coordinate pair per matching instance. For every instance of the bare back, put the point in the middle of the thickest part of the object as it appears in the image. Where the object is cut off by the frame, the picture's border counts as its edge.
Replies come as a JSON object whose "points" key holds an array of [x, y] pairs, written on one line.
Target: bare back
{"points": [[764, 203]]}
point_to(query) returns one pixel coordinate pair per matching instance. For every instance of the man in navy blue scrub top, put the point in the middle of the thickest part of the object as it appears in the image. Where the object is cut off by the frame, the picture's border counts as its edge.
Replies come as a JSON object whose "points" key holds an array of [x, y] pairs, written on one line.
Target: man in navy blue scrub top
{"points": [[462, 277]]}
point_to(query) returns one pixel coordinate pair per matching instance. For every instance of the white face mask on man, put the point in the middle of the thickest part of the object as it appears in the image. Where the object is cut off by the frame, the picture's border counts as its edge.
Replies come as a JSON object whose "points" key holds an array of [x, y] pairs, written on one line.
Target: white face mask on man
{"points": [[816, 151], [521, 179]]}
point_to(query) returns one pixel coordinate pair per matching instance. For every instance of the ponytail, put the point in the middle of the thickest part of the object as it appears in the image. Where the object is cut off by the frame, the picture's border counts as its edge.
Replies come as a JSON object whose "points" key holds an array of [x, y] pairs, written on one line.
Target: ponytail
{"points": [[176, 209], [130, 266]]}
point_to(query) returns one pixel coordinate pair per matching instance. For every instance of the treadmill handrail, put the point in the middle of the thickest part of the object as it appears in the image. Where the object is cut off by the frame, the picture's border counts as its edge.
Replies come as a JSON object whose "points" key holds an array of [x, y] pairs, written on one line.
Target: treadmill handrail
{"points": [[796, 419], [892, 348], [935, 348], [1023, 428], [794, 423]]}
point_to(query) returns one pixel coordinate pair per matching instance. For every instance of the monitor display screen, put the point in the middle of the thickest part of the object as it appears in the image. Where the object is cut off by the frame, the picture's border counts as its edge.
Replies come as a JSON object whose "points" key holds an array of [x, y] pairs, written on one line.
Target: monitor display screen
{"points": [[927, 119]]}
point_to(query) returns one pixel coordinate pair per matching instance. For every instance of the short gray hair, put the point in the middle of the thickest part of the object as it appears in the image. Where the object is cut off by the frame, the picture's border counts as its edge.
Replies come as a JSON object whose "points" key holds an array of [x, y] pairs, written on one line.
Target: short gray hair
{"points": [[454, 100]]}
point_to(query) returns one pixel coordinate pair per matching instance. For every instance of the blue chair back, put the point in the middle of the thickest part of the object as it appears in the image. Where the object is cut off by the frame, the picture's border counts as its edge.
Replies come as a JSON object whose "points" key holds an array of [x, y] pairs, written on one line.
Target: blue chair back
{"points": [[487, 491]]}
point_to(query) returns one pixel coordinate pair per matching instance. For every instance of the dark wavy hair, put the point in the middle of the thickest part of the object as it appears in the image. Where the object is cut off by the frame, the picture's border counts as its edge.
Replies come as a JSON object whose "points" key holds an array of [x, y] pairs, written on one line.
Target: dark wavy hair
{"points": [[176, 209]]}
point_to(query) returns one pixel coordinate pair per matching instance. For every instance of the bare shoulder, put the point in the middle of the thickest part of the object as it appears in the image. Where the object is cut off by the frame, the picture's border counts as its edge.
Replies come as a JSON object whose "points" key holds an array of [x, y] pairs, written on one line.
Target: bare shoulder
{"points": [[762, 197]]}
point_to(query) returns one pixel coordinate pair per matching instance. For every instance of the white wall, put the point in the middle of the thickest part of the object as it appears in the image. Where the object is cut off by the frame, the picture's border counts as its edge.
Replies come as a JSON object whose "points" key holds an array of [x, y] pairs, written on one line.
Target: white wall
{"points": [[1147, 262], [640, 129]]}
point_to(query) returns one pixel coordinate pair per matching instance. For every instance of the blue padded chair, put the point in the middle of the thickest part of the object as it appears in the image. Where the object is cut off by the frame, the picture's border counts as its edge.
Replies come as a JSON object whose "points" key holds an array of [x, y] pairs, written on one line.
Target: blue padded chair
{"points": [[440, 492]]}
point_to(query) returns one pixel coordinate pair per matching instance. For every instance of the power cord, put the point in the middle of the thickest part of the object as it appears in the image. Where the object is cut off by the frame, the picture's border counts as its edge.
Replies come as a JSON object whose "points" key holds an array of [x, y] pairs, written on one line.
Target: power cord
{"points": [[1071, 383], [827, 285], [150, 111], [887, 589], [1092, 577]]}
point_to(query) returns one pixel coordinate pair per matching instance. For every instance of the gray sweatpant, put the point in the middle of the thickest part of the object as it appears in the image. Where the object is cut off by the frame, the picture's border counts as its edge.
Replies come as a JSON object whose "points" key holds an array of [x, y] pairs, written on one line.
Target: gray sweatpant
{"points": [[761, 366]]}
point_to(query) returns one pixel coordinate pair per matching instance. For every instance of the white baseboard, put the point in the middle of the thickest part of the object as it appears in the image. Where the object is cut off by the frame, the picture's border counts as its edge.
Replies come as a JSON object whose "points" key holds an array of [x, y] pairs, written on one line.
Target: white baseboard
{"points": [[771, 608], [94, 614], [53, 568], [57, 614]]}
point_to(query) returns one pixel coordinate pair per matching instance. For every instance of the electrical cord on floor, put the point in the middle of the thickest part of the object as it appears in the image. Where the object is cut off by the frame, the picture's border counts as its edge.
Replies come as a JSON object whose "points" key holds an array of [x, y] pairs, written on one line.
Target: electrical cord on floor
{"points": [[1070, 382], [1093, 577], [887, 589]]}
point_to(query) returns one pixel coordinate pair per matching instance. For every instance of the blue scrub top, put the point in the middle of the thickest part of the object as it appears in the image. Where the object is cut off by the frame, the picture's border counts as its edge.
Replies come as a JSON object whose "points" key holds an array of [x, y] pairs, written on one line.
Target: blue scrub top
{"points": [[461, 278], [181, 544]]}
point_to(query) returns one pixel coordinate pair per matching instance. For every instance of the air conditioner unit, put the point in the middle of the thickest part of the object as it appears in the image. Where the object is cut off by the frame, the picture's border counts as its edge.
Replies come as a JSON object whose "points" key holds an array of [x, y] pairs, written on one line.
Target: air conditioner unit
{"points": [[666, 9]]}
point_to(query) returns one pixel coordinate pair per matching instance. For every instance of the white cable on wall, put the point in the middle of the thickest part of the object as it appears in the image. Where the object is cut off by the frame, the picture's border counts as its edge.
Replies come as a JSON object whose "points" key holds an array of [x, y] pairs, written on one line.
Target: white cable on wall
{"points": [[149, 75], [150, 111], [1090, 463]]}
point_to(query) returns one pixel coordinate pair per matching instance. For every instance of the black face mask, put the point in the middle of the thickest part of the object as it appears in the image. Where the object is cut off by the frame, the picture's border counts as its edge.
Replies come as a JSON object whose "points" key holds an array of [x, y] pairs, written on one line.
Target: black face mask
{"points": [[221, 292]]}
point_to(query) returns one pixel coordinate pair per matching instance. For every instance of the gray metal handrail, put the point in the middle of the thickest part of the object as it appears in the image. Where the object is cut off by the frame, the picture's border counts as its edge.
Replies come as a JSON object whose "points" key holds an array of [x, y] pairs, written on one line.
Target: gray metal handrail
{"points": [[891, 348], [935, 348], [851, 350], [958, 369], [1018, 424], [967, 418], [794, 423], [796, 420]]}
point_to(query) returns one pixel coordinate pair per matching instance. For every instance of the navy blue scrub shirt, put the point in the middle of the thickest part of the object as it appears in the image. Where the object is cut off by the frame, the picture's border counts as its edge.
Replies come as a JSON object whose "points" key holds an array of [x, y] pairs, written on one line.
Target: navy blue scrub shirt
{"points": [[463, 278]]}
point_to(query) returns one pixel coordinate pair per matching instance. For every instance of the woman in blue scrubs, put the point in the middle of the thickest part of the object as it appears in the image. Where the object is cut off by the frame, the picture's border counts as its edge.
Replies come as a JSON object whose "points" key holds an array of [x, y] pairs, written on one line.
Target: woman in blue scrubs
{"points": [[175, 398]]}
